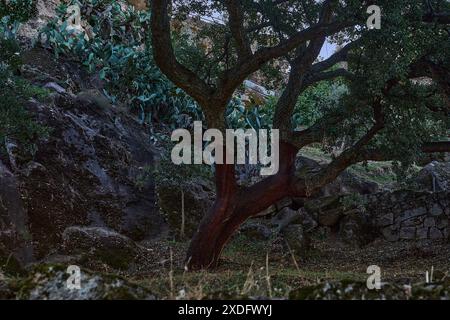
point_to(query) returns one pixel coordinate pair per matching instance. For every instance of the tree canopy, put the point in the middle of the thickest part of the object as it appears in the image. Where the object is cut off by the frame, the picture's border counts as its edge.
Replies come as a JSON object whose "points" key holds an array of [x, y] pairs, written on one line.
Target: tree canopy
{"points": [[397, 77]]}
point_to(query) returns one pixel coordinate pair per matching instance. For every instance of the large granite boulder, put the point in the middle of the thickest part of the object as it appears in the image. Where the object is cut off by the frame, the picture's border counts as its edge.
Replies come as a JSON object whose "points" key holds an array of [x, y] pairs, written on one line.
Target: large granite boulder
{"points": [[435, 177], [101, 244]]}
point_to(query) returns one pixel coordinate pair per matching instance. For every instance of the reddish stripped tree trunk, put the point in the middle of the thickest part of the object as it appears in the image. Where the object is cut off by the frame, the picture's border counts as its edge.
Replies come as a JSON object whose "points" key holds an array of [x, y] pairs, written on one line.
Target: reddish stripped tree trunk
{"points": [[234, 205]]}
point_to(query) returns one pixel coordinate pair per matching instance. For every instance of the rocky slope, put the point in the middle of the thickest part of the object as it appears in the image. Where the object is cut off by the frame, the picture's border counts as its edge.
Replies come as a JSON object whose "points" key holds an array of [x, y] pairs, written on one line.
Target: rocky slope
{"points": [[87, 172]]}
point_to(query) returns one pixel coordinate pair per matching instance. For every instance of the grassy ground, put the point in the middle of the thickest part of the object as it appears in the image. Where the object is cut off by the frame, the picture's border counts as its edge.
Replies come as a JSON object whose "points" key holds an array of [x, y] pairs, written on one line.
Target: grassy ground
{"points": [[263, 269]]}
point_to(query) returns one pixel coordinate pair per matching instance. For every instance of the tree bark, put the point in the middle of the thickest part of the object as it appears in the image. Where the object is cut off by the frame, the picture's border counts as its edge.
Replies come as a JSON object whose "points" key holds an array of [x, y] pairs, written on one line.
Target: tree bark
{"points": [[234, 205], [204, 252]]}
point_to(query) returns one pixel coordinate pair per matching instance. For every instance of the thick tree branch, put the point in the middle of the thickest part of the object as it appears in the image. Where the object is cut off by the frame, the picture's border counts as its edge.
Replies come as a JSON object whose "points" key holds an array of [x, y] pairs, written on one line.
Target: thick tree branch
{"points": [[311, 184], [318, 30], [339, 56], [236, 23], [254, 199], [317, 132], [165, 57], [300, 67], [233, 77]]}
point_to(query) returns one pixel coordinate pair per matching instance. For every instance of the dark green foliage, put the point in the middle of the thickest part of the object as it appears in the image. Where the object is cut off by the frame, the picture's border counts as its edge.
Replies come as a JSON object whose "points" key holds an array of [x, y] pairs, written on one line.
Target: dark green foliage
{"points": [[120, 52], [15, 122], [317, 100], [18, 10], [381, 65], [10, 50], [252, 117]]}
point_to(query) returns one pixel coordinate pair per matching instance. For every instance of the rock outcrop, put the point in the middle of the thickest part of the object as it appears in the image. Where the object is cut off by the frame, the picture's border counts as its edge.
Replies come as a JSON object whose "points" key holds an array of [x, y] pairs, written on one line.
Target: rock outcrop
{"points": [[48, 282], [101, 244], [435, 177], [15, 246], [92, 170]]}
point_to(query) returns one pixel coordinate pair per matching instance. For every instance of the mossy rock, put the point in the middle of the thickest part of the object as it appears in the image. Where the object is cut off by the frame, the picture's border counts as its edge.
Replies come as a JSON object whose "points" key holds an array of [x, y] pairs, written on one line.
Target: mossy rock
{"points": [[49, 282], [328, 210], [357, 290], [108, 246], [324, 203]]}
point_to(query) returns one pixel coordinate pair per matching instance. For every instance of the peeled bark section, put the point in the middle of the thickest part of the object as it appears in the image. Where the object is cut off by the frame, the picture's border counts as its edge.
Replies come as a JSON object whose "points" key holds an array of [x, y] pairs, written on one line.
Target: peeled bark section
{"points": [[234, 205], [204, 251]]}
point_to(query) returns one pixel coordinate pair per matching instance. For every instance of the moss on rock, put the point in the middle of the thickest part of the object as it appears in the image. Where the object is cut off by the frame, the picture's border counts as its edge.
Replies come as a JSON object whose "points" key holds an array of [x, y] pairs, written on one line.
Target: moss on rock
{"points": [[49, 282], [356, 290]]}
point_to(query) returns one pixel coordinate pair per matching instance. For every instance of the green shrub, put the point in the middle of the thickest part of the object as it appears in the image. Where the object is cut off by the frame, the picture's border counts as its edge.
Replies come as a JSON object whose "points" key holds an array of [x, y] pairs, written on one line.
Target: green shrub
{"points": [[120, 52], [10, 49], [15, 122], [317, 100], [18, 10]]}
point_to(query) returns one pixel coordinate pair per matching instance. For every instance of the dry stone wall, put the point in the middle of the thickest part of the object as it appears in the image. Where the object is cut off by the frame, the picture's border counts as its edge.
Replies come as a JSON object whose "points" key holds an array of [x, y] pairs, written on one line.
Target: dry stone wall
{"points": [[396, 216], [407, 215]]}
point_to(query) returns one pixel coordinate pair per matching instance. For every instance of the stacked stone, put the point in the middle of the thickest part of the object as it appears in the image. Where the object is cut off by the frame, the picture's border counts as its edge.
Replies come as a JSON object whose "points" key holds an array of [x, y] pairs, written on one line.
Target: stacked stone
{"points": [[408, 215]]}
